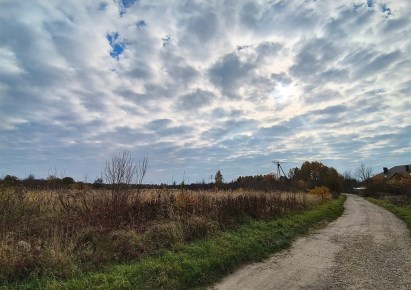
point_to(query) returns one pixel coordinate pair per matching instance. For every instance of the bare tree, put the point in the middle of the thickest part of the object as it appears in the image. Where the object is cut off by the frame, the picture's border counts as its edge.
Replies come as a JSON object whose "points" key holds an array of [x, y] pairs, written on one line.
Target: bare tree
{"points": [[121, 172], [347, 175], [363, 172], [142, 170]]}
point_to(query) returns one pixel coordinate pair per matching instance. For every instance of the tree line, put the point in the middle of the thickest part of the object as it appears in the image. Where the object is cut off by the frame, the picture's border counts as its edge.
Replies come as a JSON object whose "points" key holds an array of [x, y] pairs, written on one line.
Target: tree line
{"points": [[122, 171]]}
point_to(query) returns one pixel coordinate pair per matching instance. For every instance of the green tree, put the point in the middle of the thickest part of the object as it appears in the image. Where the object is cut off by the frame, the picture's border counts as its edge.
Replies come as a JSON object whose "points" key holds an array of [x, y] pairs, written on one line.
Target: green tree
{"points": [[10, 180], [98, 183], [68, 180], [218, 179], [316, 174]]}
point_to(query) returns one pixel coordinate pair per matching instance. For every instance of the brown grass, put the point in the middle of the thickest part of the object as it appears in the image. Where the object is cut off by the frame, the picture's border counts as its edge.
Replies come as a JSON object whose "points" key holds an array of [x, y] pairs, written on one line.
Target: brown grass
{"points": [[59, 232]]}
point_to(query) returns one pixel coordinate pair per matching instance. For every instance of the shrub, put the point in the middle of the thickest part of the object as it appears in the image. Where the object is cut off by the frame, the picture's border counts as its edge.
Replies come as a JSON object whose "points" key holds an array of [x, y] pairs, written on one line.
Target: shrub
{"points": [[20, 260], [378, 189], [20, 215], [322, 191], [127, 244], [185, 203], [198, 228], [163, 235], [95, 247]]}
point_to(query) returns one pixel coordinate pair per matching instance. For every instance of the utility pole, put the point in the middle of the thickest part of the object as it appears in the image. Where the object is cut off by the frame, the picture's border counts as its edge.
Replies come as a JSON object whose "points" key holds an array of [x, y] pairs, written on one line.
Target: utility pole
{"points": [[279, 169]]}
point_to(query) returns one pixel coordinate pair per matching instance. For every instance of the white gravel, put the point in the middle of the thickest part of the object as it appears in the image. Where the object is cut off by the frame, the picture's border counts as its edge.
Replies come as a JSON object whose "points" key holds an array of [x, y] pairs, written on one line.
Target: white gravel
{"points": [[366, 248]]}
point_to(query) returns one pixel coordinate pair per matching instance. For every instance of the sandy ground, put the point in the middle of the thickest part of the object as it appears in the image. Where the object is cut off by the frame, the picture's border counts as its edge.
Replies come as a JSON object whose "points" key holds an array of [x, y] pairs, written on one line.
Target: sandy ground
{"points": [[366, 248]]}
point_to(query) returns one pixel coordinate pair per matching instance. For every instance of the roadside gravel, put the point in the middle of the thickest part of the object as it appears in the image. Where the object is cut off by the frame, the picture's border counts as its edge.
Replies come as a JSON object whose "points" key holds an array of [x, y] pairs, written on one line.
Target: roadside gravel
{"points": [[366, 248]]}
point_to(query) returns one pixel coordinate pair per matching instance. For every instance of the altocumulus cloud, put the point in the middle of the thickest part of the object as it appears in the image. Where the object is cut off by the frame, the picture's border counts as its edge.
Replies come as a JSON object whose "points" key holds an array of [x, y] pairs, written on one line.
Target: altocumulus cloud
{"points": [[198, 86]]}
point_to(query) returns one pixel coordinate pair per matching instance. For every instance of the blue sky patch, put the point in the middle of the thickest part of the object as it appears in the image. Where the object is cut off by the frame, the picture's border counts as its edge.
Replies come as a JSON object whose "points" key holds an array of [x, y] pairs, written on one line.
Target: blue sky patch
{"points": [[385, 9], [117, 47], [117, 50], [112, 37], [124, 5]]}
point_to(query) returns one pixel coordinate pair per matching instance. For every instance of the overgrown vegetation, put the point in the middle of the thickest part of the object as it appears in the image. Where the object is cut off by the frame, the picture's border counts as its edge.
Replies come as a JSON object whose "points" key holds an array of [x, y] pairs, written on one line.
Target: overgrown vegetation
{"points": [[315, 174], [61, 232], [203, 262], [60, 228], [383, 189], [321, 191]]}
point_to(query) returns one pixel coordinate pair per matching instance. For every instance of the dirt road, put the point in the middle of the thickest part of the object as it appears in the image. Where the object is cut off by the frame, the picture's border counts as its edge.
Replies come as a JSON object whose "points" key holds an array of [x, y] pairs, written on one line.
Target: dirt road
{"points": [[366, 248]]}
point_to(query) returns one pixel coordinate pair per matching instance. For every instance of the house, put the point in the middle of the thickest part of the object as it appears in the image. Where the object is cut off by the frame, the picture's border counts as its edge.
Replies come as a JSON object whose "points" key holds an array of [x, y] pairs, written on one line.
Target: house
{"points": [[396, 175]]}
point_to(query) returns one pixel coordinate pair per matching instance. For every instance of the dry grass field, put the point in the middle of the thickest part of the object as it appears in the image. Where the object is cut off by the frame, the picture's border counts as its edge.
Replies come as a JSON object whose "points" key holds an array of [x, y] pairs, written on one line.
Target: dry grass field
{"points": [[57, 233]]}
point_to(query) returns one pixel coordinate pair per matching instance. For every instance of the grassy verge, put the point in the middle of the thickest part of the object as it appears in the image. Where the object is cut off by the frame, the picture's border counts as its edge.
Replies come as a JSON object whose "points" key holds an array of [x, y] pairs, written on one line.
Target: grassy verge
{"points": [[204, 262], [403, 212]]}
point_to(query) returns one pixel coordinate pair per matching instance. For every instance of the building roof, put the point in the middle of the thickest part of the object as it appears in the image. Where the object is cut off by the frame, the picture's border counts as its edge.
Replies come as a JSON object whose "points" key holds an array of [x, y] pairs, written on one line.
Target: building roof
{"points": [[400, 170]]}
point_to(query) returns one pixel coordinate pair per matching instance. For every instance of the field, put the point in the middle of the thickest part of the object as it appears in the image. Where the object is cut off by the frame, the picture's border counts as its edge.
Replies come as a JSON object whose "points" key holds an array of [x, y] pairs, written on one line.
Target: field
{"points": [[61, 233]]}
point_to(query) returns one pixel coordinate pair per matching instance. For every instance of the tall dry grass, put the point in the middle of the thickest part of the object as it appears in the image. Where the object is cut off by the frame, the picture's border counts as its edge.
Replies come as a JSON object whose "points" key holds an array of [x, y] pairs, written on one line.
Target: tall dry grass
{"points": [[60, 232]]}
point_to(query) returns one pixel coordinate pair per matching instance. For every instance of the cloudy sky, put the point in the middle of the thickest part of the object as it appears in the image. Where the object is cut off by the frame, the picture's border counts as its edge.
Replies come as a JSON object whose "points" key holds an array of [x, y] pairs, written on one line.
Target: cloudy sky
{"points": [[198, 86]]}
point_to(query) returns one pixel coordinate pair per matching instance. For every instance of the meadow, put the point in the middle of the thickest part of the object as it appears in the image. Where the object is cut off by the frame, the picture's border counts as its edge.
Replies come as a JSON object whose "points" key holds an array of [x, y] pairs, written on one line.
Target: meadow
{"points": [[60, 233]]}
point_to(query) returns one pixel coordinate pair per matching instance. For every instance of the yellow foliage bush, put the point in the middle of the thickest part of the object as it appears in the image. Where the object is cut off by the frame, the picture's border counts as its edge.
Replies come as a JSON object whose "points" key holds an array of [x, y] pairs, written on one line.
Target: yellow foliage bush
{"points": [[184, 199], [322, 191]]}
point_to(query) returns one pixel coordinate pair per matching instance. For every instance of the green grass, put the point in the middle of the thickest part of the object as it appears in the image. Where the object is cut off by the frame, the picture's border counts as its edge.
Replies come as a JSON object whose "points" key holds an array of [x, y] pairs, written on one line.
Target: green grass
{"points": [[403, 212], [204, 262]]}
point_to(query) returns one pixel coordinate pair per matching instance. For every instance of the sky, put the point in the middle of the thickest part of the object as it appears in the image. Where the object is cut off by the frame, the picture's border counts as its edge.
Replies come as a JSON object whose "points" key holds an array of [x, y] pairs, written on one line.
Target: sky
{"points": [[201, 86]]}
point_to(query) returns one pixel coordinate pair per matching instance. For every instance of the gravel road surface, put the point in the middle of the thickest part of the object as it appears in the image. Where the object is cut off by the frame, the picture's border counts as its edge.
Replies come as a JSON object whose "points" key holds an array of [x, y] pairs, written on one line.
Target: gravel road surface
{"points": [[366, 248]]}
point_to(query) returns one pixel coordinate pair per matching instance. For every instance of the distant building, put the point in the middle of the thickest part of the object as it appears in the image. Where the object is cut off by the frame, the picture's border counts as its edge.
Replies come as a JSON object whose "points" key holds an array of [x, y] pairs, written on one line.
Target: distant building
{"points": [[396, 175]]}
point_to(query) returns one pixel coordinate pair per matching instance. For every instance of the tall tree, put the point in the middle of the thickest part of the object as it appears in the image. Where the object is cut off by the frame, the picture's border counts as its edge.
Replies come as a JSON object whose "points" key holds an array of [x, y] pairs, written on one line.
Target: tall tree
{"points": [[218, 179], [315, 174]]}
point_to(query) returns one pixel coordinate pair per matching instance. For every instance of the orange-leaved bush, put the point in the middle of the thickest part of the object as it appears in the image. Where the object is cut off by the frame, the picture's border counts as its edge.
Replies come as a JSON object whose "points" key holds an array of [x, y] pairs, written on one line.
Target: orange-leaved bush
{"points": [[322, 191]]}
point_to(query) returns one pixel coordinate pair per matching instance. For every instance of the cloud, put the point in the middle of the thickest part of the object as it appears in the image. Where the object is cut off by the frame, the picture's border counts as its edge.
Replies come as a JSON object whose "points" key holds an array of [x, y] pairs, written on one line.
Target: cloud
{"points": [[201, 86], [228, 129], [238, 74], [229, 73], [178, 131], [202, 27], [331, 110], [315, 57], [195, 100], [382, 61]]}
